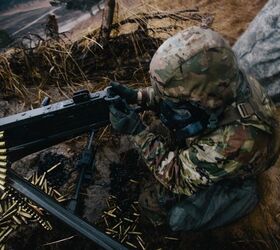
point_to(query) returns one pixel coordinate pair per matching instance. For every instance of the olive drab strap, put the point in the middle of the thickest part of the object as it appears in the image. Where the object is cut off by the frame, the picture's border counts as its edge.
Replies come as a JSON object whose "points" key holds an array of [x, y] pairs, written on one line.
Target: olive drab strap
{"points": [[255, 103], [251, 100]]}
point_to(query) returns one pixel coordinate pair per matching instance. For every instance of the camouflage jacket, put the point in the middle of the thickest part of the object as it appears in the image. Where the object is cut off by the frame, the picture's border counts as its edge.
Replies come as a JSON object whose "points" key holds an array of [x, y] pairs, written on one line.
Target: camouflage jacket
{"points": [[239, 149]]}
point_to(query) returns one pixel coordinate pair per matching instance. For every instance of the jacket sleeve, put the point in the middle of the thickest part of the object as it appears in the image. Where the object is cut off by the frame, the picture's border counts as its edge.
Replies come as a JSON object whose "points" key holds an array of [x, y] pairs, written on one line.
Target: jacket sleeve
{"points": [[224, 153]]}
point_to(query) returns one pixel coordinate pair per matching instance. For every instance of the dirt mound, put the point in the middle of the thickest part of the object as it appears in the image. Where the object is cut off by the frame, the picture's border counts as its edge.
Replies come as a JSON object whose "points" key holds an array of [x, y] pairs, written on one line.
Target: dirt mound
{"points": [[38, 68]]}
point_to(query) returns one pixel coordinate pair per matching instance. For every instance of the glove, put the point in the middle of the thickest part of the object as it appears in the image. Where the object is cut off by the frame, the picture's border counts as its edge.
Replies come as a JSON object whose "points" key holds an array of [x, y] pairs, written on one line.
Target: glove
{"points": [[129, 94], [124, 119]]}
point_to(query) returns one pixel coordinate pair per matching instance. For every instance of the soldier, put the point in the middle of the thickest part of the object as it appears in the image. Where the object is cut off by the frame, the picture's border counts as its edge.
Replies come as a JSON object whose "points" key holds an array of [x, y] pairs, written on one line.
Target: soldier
{"points": [[51, 29], [220, 122]]}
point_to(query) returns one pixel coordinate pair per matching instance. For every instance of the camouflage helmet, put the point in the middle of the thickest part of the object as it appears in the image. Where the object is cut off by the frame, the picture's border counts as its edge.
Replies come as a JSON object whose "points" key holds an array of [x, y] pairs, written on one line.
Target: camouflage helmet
{"points": [[195, 65]]}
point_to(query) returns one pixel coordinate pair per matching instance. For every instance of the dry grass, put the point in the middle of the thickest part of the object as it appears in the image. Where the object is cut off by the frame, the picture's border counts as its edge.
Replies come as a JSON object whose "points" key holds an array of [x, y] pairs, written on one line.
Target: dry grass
{"points": [[37, 64]]}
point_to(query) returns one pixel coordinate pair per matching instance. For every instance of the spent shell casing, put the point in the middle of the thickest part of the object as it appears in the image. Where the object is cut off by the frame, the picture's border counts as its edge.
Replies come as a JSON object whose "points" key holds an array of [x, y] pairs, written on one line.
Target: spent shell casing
{"points": [[5, 223], [7, 215], [134, 181], [109, 214], [139, 238], [57, 193], [111, 230], [45, 186], [33, 179], [141, 244], [42, 179], [108, 203], [130, 244], [10, 207], [135, 233], [129, 220], [170, 238], [126, 230], [120, 230], [5, 233], [112, 197], [62, 198], [3, 158], [37, 179], [50, 192], [53, 167], [4, 195], [106, 222], [112, 210], [124, 238], [117, 225], [2, 247], [134, 208]]}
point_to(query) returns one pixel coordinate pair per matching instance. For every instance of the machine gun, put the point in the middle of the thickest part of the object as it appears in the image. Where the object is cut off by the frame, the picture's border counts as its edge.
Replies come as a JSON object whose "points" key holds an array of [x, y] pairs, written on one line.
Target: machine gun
{"points": [[31, 131]]}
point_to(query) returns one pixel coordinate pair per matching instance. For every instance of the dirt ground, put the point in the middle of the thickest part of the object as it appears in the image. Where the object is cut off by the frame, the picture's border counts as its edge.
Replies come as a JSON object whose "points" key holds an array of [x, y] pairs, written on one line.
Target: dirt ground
{"points": [[259, 230], [231, 17]]}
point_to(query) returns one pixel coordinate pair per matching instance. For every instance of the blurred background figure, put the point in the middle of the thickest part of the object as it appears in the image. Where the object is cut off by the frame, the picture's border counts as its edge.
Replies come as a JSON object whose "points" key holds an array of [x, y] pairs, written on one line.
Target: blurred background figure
{"points": [[51, 29]]}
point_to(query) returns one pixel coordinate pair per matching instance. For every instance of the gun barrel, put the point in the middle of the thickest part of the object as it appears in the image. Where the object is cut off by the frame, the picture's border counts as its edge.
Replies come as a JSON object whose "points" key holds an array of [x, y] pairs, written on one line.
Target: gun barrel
{"points": [[62, 214]]}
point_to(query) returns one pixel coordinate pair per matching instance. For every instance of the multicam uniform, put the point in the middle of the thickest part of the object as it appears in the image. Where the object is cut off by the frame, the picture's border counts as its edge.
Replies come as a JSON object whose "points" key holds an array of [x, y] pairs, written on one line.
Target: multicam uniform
{"points": [[240, 147]]}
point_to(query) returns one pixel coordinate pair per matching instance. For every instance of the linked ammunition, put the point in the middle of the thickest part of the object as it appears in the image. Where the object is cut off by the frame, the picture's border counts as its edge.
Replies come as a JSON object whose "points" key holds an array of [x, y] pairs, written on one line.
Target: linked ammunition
{"points": [[24, 214], [3, 164], [3, 158], [2, 144], [3, 170], [17, 220], [3, 151]]}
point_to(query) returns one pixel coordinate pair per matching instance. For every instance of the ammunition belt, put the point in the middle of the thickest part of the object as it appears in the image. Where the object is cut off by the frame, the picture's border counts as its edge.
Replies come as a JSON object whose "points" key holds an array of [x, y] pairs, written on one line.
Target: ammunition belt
{"points": [[15, 209]]}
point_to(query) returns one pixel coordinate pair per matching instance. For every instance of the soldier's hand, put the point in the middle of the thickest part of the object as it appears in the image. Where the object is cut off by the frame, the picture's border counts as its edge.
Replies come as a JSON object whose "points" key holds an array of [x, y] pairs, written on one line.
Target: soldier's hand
{"points": [[129, 94], [124, 119]]}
